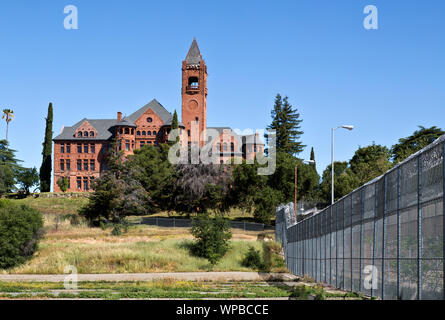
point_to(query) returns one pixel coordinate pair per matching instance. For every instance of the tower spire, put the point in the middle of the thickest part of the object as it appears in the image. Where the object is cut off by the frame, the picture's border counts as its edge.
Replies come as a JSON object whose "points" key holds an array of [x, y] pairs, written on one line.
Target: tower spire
{"points": [[193, 55]]}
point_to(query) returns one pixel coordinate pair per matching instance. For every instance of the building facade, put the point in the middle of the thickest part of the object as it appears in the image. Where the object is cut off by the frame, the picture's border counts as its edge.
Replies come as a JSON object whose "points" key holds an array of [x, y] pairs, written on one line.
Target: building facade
{"points": [[80, 150]]}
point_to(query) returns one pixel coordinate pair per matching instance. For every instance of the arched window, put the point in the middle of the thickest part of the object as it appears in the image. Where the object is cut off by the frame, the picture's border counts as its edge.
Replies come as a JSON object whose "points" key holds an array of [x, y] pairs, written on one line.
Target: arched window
{"points": [[79, 134], [121, 131], [232, 147], [194, 82], [149, 120], [138, 133], [154, 133], [148, 133], [225, 146], [91, 134], [85, 134], [143, 133], [127, 130], [218, 147]]}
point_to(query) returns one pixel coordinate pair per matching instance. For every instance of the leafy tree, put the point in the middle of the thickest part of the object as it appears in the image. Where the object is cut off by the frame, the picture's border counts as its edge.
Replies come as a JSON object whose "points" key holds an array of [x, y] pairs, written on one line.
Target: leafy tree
{"points": [[45, 169], [286, 123], [370, 162], [8, 115], [245, 184], [345, 181], [8, 167], [266, 201], [155, 173], [418, 140], [200, 187], [20, 229], [27, 178], [212, 237], [117, 193], [62, 182]]}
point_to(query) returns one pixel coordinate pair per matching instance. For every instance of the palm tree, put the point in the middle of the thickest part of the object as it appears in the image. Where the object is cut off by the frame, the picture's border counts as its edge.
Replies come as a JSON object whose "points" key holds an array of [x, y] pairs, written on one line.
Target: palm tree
{"points": [[8, 114]]}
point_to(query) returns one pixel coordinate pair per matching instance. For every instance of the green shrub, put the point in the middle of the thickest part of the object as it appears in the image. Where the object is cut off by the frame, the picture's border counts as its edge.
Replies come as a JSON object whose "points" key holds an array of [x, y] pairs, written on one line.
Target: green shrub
{"points": [[21, 227], [252, 259], [212, 237], [308, 293]]}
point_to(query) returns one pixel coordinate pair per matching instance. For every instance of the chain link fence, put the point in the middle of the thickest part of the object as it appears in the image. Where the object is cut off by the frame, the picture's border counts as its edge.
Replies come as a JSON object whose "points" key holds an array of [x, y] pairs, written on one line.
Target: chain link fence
{"points": [[384, 239], [187, 223]]}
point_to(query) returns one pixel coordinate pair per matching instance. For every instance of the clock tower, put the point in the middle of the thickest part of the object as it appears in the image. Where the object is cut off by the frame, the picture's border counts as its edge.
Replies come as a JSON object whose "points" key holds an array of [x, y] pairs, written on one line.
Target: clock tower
{"points": [[194, 95]]}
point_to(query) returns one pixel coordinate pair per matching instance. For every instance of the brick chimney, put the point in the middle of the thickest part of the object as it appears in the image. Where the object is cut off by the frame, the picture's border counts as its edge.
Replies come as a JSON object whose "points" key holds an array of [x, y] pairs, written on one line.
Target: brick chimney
{"points": [[119, 116]]}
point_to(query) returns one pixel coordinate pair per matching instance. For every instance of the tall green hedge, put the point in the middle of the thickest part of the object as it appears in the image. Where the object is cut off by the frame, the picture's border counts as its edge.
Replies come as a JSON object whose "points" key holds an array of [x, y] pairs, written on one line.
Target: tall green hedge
{"points": [[21, 227]]}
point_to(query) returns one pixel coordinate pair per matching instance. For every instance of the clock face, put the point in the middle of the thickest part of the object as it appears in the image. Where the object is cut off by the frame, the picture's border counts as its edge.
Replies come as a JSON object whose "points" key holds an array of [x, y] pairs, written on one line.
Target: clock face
{"points": [[193, 105]]}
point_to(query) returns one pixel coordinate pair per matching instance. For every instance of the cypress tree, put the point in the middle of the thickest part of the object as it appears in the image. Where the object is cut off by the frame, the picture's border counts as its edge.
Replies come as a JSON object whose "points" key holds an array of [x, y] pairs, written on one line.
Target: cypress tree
{"points": [[175, 124], [313, 157], [45, 169]]}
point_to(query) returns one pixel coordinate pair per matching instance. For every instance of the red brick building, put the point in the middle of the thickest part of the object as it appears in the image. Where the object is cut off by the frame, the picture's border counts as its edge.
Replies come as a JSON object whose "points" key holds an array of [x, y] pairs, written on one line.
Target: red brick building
{"points": [[79, 150]]}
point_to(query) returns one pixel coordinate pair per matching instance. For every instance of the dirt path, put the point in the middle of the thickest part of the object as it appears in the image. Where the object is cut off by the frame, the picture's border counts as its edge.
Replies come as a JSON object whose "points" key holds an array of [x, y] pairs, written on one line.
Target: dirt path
{"points": [[186, 276]]}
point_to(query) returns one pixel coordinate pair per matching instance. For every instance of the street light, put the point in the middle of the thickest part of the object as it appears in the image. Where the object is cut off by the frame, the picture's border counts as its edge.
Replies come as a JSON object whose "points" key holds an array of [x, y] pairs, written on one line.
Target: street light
{"points": [[347, 127], [295, 202]]}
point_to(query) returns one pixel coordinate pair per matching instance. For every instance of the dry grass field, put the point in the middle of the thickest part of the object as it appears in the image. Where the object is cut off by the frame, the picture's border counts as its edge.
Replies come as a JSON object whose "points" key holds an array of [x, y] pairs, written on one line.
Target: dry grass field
{"points": [[142, 249]]}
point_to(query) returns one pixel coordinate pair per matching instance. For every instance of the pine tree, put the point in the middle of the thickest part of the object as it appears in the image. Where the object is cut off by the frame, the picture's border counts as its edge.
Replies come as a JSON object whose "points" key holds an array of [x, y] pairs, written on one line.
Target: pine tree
{"points": [[45, 169], [291, 121], [286, 123], [276, 121]]}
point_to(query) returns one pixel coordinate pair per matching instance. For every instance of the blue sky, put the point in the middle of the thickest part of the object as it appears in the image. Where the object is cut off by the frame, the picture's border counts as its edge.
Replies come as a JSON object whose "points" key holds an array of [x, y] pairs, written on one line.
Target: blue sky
{"points": [[386, 82]]}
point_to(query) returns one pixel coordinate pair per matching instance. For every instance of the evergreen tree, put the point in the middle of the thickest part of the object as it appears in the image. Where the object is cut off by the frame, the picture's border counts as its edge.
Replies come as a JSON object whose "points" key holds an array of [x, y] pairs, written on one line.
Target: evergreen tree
{"points": [[8, 167], [45, 169], [314, 164], [175, 124], [286, 123]]}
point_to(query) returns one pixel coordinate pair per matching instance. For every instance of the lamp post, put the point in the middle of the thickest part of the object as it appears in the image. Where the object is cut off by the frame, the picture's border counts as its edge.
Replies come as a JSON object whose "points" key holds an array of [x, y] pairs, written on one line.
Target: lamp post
{"points": [[347, 127], [295, 202]]}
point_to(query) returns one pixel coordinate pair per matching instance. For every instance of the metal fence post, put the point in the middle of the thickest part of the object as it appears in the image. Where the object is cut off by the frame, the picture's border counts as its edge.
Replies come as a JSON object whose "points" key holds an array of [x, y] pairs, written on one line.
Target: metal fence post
{"points": [[398, 234], [443, 219], [336, 247], [419, 228], [383, 237], [362, 207], [343, 239], [352, 243], [374, 232], [325, 245]]}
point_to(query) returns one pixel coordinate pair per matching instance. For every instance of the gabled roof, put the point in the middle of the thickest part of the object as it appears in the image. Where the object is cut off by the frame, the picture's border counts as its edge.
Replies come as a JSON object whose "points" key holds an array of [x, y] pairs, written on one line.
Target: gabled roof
{"points": [[102, 126], [157, 108], [194, 55]]}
